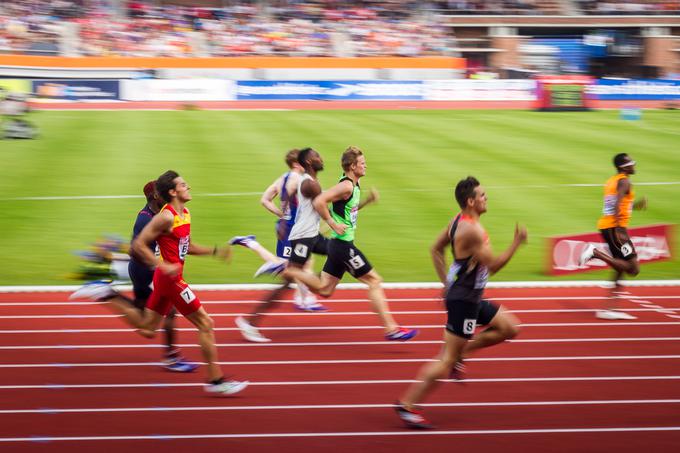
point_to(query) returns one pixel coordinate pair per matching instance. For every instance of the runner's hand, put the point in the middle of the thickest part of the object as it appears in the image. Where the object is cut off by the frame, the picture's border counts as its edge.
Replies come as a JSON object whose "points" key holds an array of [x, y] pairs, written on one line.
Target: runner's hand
{"points": [[640, 204], [170, 269], [521, 235]]}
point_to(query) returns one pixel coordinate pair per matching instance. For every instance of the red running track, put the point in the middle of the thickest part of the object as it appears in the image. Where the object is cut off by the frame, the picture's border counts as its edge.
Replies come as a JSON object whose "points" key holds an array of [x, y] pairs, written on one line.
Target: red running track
{"points": [[73, 377]]}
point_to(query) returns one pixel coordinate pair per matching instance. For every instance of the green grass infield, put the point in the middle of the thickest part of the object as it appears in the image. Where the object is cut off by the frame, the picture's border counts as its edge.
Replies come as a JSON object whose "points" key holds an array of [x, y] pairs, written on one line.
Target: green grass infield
{"points": [[543, 170]]}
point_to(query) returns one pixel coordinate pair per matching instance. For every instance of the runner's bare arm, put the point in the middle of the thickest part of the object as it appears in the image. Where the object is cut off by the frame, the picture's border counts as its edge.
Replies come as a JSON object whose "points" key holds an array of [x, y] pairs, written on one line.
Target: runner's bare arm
{"points": [[483, 253], [340, 191], [268, 196], [159, 224], [373, 197], [310, 188], [437, 251]]}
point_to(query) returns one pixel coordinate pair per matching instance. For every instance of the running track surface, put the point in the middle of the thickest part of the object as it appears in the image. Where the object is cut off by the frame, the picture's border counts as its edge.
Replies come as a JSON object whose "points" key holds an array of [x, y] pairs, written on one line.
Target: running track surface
{"points": [[74, 378]]}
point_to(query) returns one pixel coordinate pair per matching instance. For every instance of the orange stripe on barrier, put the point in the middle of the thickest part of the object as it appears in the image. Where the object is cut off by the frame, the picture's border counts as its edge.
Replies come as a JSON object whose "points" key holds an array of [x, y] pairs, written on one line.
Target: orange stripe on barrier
{"points": [[236, 62]]}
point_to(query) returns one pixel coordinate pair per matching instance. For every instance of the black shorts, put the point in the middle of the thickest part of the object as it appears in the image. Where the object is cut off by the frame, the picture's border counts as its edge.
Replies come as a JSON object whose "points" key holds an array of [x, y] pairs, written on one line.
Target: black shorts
{"points": [[624, 250], [302, 249], [465, 315], [343, 257], [141, 277]]}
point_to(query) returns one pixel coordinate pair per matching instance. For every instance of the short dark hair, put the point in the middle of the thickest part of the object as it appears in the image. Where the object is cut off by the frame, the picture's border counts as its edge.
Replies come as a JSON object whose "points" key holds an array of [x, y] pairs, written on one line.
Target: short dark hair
{"points": [[620, 159], [302, 157], [165, 183], [292, 157], [466, 189]]}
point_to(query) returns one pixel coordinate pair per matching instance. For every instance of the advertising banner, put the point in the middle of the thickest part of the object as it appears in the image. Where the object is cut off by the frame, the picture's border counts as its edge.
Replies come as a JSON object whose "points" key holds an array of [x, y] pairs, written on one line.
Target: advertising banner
{"points": [[563, 93], [635, 90], [330, 90], [652, 243], [480, 90], [76, 90], [178, 90], [16, 85]]}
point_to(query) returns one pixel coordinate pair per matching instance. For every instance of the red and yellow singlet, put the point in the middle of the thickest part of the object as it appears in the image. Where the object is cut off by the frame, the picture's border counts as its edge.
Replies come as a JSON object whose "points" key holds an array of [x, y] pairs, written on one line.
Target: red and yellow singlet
{"points": [[174, 246]]}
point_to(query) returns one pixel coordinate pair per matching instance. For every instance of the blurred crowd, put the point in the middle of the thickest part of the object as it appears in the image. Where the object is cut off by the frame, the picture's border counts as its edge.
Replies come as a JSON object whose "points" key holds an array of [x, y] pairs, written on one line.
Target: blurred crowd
{"points": [[236, 28], [258, 27]]}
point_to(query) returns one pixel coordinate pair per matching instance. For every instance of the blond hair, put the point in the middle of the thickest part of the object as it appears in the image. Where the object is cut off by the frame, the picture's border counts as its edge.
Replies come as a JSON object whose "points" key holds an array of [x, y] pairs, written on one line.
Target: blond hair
{"points": [[292, 157], [350, 157]]}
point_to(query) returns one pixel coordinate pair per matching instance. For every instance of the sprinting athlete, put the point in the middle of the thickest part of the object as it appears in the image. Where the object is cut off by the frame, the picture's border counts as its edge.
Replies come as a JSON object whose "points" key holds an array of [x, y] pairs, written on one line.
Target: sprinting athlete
{"points": [[464, 284], [170, 229], [304, 240], [142, 276], [618, 205], [285, 187], [343, 255]]}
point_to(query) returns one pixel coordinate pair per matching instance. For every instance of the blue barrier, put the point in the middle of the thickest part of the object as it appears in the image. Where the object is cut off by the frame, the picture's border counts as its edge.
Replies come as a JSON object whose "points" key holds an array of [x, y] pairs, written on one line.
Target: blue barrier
{"points": [[635, 90], [330, 90], [76, 90]]}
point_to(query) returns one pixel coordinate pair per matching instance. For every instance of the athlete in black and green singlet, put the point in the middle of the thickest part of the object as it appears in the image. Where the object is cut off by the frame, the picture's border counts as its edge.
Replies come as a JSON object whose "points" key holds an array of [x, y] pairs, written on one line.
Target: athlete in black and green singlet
{"points": [[343, 255]]}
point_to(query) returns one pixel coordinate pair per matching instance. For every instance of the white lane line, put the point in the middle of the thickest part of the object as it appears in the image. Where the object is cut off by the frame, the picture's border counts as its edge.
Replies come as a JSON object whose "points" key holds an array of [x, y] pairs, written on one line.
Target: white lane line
{"points": [[346, 382], [241, 194], [346, 361], [343, 301], [323, 328], [327, 313], [346, 434], [320, 343], [50, 410]]}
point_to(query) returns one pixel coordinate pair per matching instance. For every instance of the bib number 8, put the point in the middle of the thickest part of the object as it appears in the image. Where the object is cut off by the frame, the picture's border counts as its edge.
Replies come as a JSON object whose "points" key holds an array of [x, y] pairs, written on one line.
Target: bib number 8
{"points": [[469, 326]]}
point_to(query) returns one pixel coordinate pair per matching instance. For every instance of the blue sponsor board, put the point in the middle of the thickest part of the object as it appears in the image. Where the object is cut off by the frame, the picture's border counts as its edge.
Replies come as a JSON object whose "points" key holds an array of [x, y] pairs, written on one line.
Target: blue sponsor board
{"points": [[75, 90], [635, 89], [328, 91]]}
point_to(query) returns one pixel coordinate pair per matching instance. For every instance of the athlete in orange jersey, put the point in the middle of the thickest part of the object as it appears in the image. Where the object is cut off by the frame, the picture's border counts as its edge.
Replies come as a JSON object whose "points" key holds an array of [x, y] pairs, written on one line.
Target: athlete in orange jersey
{"points": [[618, 205], [170, 229]]}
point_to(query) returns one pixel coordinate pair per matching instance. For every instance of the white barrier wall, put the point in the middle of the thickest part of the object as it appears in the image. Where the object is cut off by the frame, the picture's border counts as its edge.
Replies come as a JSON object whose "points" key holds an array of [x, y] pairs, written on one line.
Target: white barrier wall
{"points": [[480, 90], [178, 90]]}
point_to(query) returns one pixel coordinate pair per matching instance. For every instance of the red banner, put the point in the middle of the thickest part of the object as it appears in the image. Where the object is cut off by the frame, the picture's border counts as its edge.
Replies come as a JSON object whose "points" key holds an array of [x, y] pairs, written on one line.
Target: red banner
{"points": [[652, 243]]}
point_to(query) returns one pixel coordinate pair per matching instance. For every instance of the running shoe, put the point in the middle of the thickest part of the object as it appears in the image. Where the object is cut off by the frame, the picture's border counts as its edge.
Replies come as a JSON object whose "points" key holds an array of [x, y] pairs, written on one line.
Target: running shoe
{"points": [[229, 387], [586, 255], [413, 418], [614, 315], [242, 240], [313, 308], [180, 366], [401, 334], [271, 267], [249, 331], [97, 290]]}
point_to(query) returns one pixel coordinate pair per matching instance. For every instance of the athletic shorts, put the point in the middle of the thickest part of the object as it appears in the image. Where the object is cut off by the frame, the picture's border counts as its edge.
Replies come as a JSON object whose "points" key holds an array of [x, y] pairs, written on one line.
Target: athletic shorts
{"points": [[622, 250], [343, 257], [303, 248], [283, 228], [141, 277], [464, 315], [171, 292]]}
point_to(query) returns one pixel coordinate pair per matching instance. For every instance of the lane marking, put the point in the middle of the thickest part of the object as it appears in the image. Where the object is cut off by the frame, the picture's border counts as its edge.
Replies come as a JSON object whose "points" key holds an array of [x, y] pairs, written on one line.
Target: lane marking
{"points": [[50, 410], [247, 194], [320, 343], [346, 382], [341, 301], [347, 361], [346, 434]]}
